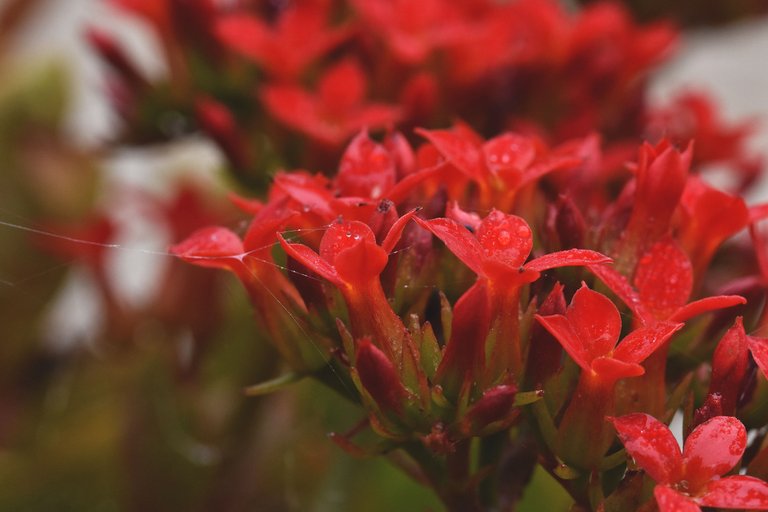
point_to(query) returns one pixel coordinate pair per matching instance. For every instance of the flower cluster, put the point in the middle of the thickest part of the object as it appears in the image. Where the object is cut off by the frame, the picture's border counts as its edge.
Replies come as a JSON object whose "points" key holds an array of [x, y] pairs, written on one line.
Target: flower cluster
{"points": [[472, 245], [446, 316]]}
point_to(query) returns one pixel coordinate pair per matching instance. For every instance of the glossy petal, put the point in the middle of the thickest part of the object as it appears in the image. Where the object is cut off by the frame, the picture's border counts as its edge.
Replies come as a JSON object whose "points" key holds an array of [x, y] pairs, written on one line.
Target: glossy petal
{"points": [[214, 247], [664, 278], [705, 305], [311, 260], [741, 492], [559, 327], [652, 445], [595, 320], [458, 150], [569, 258], [506, 241], [611, 370], [713, 449], [458, 239], [509, 153], [623, 290], [641, 343], [366, 169], [352, 250], [670, 500]]}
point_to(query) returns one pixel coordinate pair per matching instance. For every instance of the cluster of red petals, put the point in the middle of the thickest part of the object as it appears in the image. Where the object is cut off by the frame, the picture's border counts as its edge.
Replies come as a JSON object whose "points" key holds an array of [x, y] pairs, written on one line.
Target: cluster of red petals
{"points": [[693, 478]]}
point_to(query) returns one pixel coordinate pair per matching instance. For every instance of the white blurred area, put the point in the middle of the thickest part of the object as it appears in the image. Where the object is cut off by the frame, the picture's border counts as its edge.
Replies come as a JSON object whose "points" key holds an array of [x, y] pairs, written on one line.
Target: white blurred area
{"points": [[728, 62]]}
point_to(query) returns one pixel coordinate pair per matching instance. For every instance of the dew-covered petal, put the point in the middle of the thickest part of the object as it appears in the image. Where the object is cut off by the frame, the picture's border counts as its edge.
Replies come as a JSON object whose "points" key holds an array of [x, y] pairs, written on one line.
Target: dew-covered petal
{"points": [[713, 449], [738, 491], [641, 343], [213, 246], [506, 240], [569, 258], [652, 445], [664, 278], [457, 149], [458, 239], [595, 321]]}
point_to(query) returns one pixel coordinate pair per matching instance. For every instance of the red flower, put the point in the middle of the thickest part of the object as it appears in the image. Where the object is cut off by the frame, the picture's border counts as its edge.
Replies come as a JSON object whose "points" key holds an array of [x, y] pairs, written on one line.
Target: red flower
{"points": [[352, 260], [335, 112], [413, 30], [590, 329], [498, 167], [662, 286], [685, 481], [496, 252], [297, 38]]}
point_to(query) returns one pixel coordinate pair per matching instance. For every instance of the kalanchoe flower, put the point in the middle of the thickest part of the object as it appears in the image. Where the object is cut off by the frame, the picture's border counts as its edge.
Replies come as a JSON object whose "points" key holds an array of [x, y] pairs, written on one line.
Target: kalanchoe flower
{"points": [[498, 167], [285, 49], [693, 479], [352, 260], [335, 111], [496, 252], [588, 332]]}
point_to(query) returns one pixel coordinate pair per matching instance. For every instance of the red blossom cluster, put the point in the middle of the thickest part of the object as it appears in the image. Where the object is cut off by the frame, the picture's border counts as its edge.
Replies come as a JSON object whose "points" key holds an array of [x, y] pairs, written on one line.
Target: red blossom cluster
{"points": [[529, 275]]}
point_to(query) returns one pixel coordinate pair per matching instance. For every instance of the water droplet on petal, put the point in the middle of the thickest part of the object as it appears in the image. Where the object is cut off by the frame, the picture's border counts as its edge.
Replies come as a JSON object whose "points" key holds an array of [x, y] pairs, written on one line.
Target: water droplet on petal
{"points": [[523, 231], [503, 237]]}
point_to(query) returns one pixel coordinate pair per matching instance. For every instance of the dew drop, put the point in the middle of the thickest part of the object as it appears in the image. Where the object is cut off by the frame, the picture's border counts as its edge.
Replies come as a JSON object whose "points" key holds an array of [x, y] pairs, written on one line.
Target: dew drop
{"points": [[523, 231], [503, 237]]}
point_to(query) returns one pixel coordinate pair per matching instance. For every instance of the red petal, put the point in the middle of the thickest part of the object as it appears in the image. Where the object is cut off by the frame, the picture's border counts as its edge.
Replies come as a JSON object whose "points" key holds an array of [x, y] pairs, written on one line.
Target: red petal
{"points": [[652, 445], [350, 247], [366, 169], [672, 501], [610, 370], [307, 191], [701, 306], [759, 349], [342, 88], [623, 290], [396, 231], [595, 320], [559, 327], [458, 239], [506, 241], [509, 152], [361, 263], [214, 247], [458, 150], [738, 491], [311, 260], [713, 449], [641, 343], [569, 258], [664, 278], [245, 34]]}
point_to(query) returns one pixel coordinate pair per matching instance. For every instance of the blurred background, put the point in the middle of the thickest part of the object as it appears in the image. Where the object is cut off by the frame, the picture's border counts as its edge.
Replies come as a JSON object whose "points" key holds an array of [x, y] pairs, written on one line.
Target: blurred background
{"points": [[120, 389]]}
